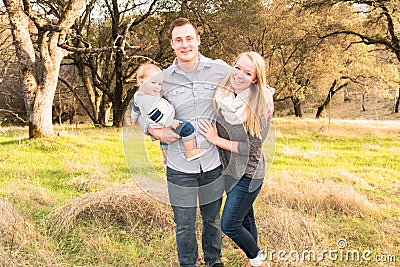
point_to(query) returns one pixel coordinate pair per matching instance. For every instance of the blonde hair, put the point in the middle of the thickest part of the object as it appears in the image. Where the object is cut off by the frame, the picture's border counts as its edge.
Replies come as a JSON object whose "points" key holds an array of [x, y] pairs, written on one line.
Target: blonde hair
{"points": [[256, 108], [144, 68]]}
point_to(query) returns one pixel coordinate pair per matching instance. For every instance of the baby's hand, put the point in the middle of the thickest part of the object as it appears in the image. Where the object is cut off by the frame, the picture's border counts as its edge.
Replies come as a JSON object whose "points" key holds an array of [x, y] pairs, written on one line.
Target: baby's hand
{"points": [[175, 124]]}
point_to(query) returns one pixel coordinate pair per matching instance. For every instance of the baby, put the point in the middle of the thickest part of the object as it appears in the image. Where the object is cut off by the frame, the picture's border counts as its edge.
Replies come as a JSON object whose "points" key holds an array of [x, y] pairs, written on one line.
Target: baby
{"points": [[158, 112]]}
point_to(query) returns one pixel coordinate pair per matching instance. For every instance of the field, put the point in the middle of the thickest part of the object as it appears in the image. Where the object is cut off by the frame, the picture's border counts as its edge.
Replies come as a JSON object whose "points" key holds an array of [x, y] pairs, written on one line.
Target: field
{"points": [[331, 198]]}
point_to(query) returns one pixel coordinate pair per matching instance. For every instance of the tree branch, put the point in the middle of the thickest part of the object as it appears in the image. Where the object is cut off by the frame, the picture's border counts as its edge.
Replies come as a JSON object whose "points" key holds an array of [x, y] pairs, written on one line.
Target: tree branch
{"points": [[87, 50], [69, 86], [365, 39], [14, 114]]}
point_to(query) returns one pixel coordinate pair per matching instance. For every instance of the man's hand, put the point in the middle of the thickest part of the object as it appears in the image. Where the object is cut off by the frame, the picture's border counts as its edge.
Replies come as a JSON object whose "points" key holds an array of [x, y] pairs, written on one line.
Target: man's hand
{"points": [[270, 103], [165, 135]]}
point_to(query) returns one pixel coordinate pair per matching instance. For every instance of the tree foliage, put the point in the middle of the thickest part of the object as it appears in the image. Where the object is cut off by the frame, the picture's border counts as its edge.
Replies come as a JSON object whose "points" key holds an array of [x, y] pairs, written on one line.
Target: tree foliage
{"points": [[313, 48], [378, 26], [125, 36]]}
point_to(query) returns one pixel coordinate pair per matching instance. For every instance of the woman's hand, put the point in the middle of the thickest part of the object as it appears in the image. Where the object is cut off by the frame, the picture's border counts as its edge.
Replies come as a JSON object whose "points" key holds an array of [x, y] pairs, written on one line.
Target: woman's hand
{"points": [[209, 130]]}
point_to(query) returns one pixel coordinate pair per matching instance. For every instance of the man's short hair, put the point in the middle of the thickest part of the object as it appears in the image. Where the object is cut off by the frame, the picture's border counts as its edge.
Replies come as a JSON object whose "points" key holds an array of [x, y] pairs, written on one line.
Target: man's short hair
{"points": [[180, 22]]}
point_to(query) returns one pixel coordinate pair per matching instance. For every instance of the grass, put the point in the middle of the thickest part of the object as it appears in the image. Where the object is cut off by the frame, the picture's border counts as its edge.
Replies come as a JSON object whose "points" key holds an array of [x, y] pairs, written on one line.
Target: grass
{"points": [[71, 200]]}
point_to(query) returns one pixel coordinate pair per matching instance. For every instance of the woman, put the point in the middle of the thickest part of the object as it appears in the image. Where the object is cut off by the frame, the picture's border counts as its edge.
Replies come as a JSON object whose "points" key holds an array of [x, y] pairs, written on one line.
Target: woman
{"points": [[243, 105]]}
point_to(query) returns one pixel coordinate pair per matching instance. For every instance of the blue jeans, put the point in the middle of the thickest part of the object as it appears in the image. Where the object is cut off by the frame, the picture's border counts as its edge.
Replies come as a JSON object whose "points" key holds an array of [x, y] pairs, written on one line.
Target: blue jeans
{"points": [[238, 221], [184, 204]]}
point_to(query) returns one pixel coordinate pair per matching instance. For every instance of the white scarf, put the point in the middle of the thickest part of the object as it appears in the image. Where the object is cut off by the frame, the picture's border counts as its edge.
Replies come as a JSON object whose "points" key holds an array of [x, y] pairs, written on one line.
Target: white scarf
{"points": [[232, 108]]}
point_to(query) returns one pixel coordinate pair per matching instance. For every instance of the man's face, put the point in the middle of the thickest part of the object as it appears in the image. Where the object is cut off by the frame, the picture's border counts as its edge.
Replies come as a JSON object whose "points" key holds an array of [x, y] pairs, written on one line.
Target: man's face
{"points": [[185, 43]]}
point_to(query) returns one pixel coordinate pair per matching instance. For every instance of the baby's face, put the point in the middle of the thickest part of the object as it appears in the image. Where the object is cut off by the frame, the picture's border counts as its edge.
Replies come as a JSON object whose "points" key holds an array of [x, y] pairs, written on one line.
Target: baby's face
{"points": [[152, 83]]}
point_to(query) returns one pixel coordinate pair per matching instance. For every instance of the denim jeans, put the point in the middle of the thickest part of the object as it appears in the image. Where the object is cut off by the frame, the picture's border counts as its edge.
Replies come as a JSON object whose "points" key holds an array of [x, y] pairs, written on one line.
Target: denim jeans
{"points": [[238, 221], [188, 189]]}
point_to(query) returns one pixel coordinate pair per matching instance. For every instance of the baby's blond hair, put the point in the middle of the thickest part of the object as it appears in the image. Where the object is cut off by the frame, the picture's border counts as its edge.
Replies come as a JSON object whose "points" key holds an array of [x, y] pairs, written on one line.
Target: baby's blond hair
{"points": [[144, 68]]}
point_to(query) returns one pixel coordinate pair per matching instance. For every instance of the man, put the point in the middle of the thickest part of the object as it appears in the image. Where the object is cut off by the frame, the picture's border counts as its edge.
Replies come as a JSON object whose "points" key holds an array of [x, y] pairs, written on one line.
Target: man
{"points": [[189, 85]]}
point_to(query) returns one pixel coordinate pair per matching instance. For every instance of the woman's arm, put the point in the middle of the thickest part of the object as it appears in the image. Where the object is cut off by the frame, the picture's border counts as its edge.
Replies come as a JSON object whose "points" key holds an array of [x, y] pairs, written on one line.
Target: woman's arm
{"points": [[252, 145]]}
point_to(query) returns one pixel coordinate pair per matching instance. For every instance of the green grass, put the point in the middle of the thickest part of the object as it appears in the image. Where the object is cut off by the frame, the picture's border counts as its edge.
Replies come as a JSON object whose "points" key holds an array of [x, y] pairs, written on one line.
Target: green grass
{"points": [[327, 182]]}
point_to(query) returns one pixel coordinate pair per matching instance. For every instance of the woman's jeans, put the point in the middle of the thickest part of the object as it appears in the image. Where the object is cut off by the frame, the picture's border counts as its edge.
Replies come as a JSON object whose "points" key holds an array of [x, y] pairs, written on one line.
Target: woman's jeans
{"points": [[238, 220], [184, 205]]}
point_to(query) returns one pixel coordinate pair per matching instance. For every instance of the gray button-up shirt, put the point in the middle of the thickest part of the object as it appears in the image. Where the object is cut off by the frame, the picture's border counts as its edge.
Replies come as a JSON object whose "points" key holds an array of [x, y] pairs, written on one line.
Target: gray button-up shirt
{"points": [[192, 96]]}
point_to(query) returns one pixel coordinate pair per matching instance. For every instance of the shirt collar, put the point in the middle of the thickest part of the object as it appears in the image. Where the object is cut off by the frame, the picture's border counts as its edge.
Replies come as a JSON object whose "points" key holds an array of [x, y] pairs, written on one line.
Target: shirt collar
{"points": [[204, 62]]}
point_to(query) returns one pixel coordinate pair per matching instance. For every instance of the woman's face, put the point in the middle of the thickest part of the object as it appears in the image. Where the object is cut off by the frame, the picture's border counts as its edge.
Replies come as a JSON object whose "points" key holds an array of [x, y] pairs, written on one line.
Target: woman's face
{"points": [[244, 74]]}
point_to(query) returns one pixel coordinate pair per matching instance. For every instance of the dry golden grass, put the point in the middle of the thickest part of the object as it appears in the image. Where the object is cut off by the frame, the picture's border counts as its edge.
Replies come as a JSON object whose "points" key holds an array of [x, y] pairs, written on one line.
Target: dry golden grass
{"points": [[287, 191], [29, 193], [338, 126], [284, 228], [90, 184], [377, 107], [5, 260], [95, 177], [125, 204], [17, 239]]}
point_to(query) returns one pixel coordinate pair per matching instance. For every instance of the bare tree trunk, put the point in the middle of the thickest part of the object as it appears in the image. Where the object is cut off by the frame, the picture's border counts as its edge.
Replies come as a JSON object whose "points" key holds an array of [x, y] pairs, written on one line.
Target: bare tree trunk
{"points": [[120, 100], [95, 95], [105, 110], [297, 107], [396, 107], [118, 113], [39, 74], [346, 96], [363, 101], [328, 99]]}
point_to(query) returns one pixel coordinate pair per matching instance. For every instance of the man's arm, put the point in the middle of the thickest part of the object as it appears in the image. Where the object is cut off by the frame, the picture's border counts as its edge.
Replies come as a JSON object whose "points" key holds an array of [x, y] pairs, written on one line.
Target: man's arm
{"points": [[165, 135]]}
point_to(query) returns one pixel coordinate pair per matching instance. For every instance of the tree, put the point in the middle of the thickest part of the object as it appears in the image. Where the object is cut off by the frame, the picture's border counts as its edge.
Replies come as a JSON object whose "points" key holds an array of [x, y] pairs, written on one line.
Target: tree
{"points": [[11, 99], [335, 87], [379, 24], [276, 30], [37, 29], [133, 32]]}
